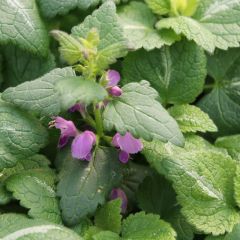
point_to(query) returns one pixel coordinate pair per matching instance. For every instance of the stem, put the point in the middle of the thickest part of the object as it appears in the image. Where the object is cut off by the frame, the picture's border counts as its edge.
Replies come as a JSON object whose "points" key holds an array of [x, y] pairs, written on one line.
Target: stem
{"points": [[99, 122], [209, 86], [90, 121], [107, 139]]}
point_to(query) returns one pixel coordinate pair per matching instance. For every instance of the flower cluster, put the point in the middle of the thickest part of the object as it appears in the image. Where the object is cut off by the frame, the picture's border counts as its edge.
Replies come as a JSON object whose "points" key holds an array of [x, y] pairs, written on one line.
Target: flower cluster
{"points": [[83, 142]]}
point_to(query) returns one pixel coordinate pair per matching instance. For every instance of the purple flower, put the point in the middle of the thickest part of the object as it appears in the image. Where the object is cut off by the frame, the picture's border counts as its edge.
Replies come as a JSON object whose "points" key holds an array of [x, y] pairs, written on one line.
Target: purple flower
{"points": [[67, 129], [127, 144], [78, 107], [115, 91], [82, 145], [113, 78], [119, 193]]}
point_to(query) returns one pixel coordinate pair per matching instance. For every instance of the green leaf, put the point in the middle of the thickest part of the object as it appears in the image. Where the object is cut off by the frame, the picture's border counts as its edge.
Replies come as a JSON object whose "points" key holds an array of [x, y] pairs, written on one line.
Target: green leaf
{"points": [[141, 226], [21, 135], [83, 186], [54, 7], [92, 231], [231, 143], [40, 95], [22, 66], [192, 119], [204, 188], [1, 69], [215, 24], [133, 176], [179, 75], [183, 7], [138, 21], [112, 43], [234, 235], [222, 104], [36, 194], [106, 235], [70, 48], [155, 195], [21, 25], [160, 7], [82, 227], [184, 230], [191, 29], [137, 111], [16, 226], [35, 161], [76, 89], [109, 216]]}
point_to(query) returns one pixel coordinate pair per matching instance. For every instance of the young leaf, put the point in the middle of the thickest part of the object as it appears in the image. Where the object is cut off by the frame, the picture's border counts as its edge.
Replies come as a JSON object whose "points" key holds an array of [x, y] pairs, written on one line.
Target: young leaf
{"points": [[82, 227], [222, 104], [22, 66], [237, 185], [36, 194], [215, 24], [106, 235], [70, 48], [143, 226], [40, 95], [138, 21], [112, 43], [92, 231], [177, 72], [192, 119], [21, 25], [51, 8], [160, 7], [204, 188], [76, 89], [137, 111], [21, 135], [234, 235], [231, 143], [16, 226], [109, 216], [35, 161], [83, 186]]}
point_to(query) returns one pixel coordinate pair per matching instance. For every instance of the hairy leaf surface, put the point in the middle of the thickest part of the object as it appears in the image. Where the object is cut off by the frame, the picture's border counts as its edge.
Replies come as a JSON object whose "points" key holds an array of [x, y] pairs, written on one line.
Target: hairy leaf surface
{"points": [[21, 25], [83, 186], [176, 72], [204, 188], [138, 111]]}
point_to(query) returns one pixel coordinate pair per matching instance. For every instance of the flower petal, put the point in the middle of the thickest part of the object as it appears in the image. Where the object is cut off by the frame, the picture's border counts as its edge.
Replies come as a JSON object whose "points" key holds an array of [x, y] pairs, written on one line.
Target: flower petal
{"points": [[115, 91], [67, 127], [119, 193], [63, 140], [113, 78], [82, 145], [129, 144], [115, 140], [123, 157], [77, 107]]}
